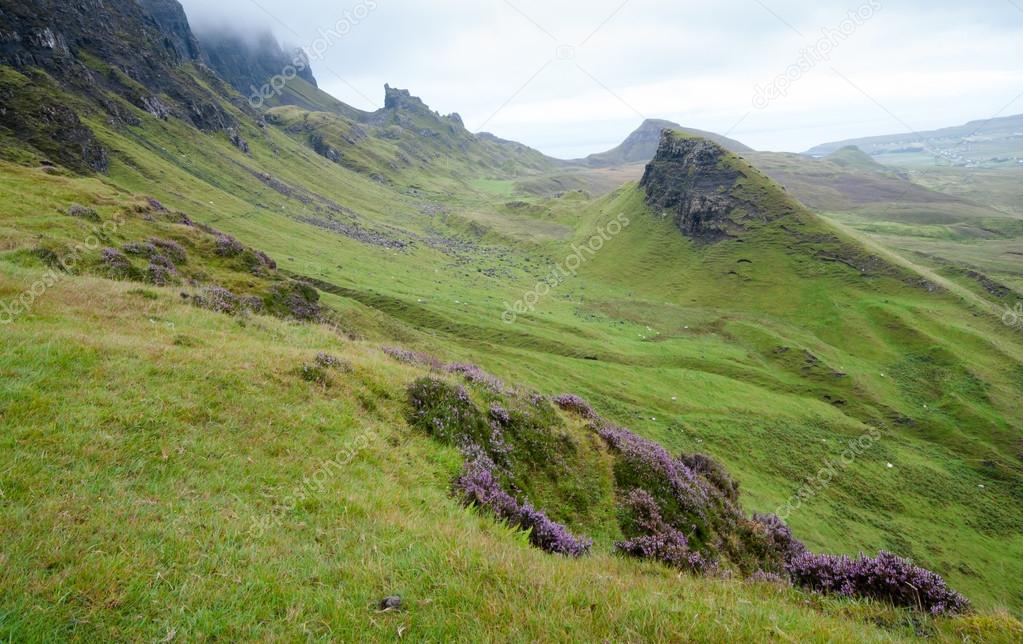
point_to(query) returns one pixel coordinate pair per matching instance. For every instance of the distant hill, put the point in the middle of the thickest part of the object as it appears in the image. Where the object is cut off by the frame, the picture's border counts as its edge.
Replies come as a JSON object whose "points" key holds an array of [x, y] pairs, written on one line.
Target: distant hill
{"points": [[854, 158], [986, 143], [641, 145]]}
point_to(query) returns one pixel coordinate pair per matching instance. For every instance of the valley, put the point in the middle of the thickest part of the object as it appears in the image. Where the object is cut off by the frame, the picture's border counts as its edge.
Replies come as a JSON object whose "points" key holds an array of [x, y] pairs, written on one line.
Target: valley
{"points": [[253, 293]]}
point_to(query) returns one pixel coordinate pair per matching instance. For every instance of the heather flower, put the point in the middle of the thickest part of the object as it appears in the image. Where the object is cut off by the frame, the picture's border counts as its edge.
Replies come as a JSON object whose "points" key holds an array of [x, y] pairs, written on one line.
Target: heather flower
{"points": [[478, 486], [885, 577], [117, 264], [160, 275], [779, 537], [714, 472], [217, 299], [645, 514], [500, 415], [328, 361], [655, 466], [670, 548], [764, 577], [82, 212], [114, 258], [142, 249], [477, 376], [575, 404], [295, 299], [447, 412], [227, 246], [413, 357], [171, 249]]}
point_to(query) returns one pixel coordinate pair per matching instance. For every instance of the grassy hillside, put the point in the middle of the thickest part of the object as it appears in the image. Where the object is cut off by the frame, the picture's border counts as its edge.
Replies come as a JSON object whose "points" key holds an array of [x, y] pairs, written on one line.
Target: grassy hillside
{"points": [[144, 436]]}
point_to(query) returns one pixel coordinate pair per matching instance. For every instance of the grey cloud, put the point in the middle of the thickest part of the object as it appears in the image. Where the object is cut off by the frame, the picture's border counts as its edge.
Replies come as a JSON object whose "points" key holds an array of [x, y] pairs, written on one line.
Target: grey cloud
{"points": [[693, 62]]}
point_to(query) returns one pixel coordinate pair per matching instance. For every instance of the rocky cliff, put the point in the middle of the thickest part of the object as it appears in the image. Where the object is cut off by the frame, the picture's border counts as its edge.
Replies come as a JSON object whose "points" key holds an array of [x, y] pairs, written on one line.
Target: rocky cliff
{"points": [[709, 191], [110, 55]]}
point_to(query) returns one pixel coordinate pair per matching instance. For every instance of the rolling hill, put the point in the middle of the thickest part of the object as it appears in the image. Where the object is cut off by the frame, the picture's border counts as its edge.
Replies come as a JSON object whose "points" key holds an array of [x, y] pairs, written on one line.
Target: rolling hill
{"points": [[247, 352], [996, 142]]}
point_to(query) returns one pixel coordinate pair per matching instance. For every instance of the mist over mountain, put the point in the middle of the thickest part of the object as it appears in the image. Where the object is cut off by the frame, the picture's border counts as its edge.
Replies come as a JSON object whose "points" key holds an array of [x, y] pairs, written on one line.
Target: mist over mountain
{"points": [[248, 63]]}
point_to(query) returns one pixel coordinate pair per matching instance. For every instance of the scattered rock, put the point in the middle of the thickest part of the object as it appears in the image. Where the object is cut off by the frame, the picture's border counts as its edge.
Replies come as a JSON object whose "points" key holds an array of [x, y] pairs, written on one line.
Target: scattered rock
{"points": [[391, 603]]}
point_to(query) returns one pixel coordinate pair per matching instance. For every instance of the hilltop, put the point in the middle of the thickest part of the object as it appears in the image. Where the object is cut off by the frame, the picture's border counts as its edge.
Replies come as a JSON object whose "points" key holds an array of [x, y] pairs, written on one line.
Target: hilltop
{"points": [[641, 144]]}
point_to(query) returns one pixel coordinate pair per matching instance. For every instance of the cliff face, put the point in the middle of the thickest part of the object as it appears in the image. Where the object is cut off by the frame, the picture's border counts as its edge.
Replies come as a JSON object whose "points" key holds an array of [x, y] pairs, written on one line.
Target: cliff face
{"points": [[249, 64], [170, 18], [121, 33], [103, 53], [697, 181]]}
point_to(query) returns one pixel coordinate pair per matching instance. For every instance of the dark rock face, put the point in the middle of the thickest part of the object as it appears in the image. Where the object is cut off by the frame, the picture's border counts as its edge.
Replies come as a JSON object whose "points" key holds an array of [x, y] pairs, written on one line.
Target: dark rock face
{"points": [[135, 50], [402, 99], [170, 17], [248, 65], [689, 179]]}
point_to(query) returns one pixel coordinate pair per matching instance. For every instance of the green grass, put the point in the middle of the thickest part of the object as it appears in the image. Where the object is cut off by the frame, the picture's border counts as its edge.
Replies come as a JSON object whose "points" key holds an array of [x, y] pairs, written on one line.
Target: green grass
{"points": [[125, 510]]}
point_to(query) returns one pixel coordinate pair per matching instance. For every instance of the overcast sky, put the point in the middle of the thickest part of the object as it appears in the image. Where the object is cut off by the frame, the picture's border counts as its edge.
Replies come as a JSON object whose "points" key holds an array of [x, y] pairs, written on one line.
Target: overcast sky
{"points": [[575, 77]]}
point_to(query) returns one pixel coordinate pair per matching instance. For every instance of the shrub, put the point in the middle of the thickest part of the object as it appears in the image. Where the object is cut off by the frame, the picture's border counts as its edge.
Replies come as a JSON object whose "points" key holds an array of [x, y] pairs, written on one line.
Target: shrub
{"points": [[117, 265], [160, 275], [779, 537], [670, 548], [82, 212], [500, 415], [294, 299], [413, 357], [477, 376], [448, 413], [657, 539], [217, 299], [575, 404], [885, 577], [641, 463], [172, 249], [764, 577], [140, 249], [478, 486], [227, 246], [328, 361], [715, 473], [315, 374]]}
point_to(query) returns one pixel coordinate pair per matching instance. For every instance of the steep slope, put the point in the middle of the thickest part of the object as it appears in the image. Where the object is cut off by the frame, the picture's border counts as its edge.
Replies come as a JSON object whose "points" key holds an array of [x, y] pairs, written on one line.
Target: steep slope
{"points": [[409, 144]]}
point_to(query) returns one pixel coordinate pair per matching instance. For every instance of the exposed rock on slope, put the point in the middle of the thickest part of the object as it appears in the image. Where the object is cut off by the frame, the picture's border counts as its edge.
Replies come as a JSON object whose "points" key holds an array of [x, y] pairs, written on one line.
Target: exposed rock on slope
{"points": [[111, 52], [703, 186]]}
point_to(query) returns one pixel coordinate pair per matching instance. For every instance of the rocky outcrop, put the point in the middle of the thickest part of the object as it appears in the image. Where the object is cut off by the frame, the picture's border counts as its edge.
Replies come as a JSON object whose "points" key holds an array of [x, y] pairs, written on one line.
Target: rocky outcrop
{"points": [[692, 179], [402, 99], [178, 36], [137, 50]]}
